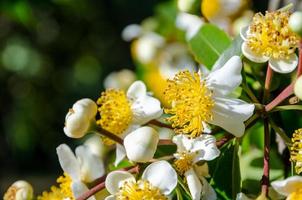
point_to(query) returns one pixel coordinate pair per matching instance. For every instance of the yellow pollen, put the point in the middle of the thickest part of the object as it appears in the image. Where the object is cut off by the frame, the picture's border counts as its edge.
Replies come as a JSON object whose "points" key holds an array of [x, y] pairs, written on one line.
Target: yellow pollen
{"points": [[59, 193], [184, 162], [210, 8], [191, 103], [296, 150], [297, 195], [142, 189], [10, 193], [270, 35], [115, 112]]}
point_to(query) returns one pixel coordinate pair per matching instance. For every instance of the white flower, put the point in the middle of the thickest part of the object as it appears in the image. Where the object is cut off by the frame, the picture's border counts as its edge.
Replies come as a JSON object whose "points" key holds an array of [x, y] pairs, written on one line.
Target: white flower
{"points": [[184, 93], [175, 57], [290, 187], [141, 144], [79, 118], [19, 190], [298, 88], [123, 113], [219, 12], [185, 5], [147, 46], [295, 22], [265, 40], [120, 80], [158, 181], [96, 145], [83, 167], [131, 32], [242, 196], [189, 23], [189, 153]]}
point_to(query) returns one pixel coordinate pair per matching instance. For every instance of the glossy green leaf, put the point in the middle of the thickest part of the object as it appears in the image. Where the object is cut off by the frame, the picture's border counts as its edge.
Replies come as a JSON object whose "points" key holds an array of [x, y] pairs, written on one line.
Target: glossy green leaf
{"points": [[226, 175], [233, 50], [208, 44]]}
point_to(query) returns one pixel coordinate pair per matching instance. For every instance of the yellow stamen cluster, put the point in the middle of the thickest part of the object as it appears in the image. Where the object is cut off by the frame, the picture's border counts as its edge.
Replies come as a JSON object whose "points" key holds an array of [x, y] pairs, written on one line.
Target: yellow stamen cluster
{"points": [[191, 103], [59, 193], [184, 162], [270, 35], [115, 112], [142, 189], [10, 193], [296, 150], [297, 195]]}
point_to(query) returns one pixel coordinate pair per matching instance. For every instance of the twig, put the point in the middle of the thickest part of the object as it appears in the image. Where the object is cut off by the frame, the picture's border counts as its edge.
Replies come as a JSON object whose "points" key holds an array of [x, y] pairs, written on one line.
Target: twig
{"points": [[281, 97], [101, 185], [160, 124], [110, 135], [299, 70], [266, 158]]}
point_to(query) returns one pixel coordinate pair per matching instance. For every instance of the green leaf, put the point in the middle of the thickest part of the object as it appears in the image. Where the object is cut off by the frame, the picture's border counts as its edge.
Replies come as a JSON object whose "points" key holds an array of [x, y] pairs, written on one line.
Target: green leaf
{"points": [[226, 175], [208, 44], [233, 50]]}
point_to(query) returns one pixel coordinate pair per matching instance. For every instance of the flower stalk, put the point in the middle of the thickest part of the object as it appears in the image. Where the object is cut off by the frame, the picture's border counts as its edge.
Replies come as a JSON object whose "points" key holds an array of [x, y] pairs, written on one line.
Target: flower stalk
{"points": [[101, 185]]}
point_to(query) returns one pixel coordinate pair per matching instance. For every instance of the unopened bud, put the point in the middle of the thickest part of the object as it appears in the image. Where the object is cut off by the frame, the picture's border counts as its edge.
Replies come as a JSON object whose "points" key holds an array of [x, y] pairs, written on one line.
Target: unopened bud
{"points": [[20, 190], [298, 88], [141, 144], [79, 118], [295, 22]]}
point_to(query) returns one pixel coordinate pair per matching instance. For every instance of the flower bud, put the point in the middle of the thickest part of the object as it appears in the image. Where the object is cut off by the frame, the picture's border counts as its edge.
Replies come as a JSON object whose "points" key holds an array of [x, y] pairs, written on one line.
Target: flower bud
{"points": [[295, 22], [79, 118], [20, 190], [185, 5], [141, 144], [298, 88], [96, 145]]}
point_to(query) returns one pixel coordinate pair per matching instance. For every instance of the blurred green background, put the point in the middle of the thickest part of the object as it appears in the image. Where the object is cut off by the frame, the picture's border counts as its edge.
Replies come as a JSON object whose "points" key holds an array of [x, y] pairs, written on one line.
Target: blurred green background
{"points": [[53, 53]]}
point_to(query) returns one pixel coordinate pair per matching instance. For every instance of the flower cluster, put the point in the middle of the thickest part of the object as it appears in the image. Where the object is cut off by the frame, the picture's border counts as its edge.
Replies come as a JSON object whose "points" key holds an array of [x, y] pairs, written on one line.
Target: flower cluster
{"points": [[179, 131]]}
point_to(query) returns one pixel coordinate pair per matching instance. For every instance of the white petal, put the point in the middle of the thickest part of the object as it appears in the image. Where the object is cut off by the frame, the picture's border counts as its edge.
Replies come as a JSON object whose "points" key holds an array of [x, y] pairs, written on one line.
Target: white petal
{"points": [[284, 66], [91, 165], [242, 196], [161, 174], [85, 106], [78, 188], [183, 143], [141, 144], [136, 90], [116, 179], [205, 147], [68, 162], [131, 31], [244, 32], [120, 154], [230, 114], [145, 109], [189, 23], [194, 184], [288, 186], [224, 80], [208, 192], [76, 125], [247, 52], [111, 197], [95, 145]]}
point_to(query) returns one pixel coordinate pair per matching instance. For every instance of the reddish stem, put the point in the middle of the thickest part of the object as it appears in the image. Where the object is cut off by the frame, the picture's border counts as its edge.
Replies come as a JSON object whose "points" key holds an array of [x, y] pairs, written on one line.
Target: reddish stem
{"points": [[299, 70], [266, 158], [165, 142], [281, 97], [268, 81], [224, 140], [160, 124], [110, 135], [101, 185]]}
